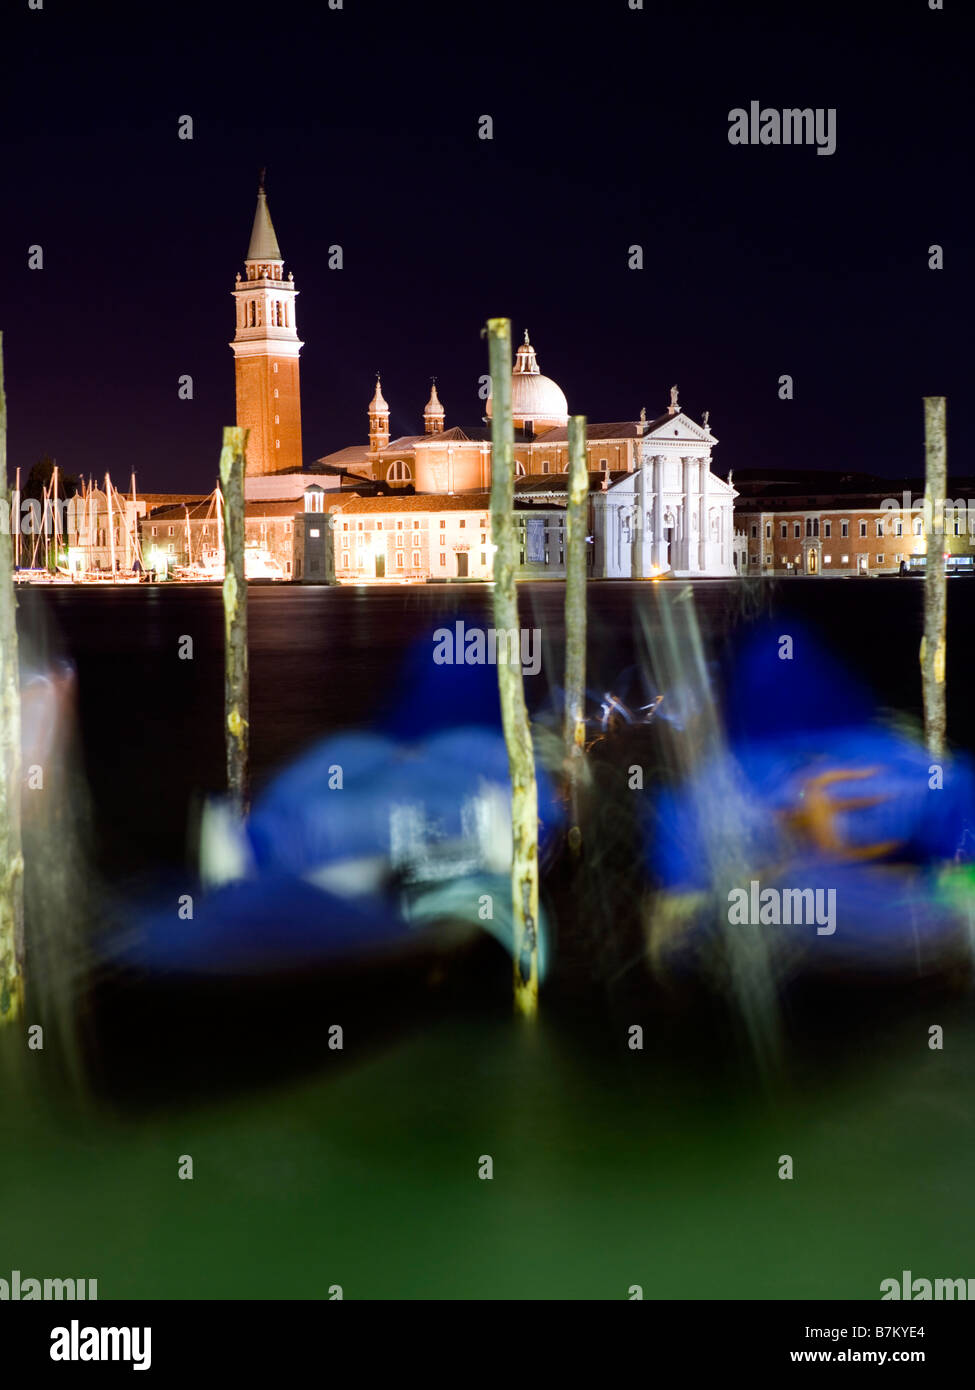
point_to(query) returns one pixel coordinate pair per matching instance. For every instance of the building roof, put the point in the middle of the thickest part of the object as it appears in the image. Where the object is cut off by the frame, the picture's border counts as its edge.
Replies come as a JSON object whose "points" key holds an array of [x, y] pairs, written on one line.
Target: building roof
{"points": [[456, 435], [198, 512], [404, 442], [542, 483], [615, 429], [355, 453], [413, 502], [818, 489], [155, 500], [203, 511]]}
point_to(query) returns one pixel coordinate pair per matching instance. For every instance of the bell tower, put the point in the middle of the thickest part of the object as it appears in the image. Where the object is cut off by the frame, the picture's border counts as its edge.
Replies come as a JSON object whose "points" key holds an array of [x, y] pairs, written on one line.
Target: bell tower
{"points": [[266, 347]]}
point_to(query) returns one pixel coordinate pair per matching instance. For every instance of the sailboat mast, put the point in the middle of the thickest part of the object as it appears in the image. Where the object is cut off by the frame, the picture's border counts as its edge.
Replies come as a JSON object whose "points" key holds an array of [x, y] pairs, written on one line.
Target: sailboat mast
{"points": [[218, 496], [111, 527], [56, 525], [15, 521]]}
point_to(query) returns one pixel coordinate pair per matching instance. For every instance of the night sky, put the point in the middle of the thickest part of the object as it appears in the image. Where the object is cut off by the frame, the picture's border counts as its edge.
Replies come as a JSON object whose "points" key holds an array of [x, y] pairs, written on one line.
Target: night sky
{"points": [[610, 128]]}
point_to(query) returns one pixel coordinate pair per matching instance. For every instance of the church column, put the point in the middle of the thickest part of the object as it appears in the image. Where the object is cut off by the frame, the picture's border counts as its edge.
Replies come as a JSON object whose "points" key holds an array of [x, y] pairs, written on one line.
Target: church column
{"points": [[658, 512], [638, 569], [704, 529], [688, 509]]}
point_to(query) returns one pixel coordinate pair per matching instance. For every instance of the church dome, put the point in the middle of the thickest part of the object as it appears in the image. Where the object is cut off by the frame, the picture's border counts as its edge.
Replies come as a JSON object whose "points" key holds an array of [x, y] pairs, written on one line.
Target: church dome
{"points": [[534, 397]]}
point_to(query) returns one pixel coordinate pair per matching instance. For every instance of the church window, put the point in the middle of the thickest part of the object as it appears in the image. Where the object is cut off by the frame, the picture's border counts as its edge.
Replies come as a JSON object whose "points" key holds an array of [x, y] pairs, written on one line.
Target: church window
{"points": [[399, 472]]}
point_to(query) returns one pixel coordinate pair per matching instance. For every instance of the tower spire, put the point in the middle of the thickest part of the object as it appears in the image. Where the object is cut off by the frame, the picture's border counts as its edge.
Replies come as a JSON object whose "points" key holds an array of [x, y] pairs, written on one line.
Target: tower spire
{"points": [[433, 411], [378, 420], [263, 244]]}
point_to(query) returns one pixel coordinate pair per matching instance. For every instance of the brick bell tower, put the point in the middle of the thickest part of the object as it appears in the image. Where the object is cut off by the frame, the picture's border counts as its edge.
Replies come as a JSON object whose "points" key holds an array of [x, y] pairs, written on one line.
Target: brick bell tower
{"points": [[266, 348]]}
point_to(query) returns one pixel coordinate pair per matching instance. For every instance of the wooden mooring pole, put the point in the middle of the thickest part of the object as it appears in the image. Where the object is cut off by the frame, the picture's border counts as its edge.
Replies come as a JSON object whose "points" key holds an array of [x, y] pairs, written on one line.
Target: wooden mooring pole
{"points": [[11, 846], [514, 714], [236, 679], [933, 644], [576, 520]]}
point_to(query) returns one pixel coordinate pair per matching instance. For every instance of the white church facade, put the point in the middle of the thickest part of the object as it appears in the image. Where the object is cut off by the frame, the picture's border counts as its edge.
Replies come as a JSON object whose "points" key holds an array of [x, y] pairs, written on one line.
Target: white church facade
{"points": [[671, 514]]}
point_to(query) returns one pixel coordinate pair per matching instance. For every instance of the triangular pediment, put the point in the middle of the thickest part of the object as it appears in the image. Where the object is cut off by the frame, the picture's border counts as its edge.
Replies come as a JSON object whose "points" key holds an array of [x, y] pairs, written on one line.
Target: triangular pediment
{"points": [[681, 427]]}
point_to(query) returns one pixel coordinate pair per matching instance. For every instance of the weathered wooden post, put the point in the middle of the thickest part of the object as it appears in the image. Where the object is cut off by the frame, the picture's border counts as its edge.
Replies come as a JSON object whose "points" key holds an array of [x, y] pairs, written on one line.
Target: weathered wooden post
{"points": [[11, 847], [236, 680], [574, 729], [514, 715], [933, 644]]}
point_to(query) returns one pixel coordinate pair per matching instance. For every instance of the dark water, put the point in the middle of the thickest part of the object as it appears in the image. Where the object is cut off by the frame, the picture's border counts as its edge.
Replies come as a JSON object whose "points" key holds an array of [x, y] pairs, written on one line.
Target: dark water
{"points": [[325, 659], [611, 1167]]}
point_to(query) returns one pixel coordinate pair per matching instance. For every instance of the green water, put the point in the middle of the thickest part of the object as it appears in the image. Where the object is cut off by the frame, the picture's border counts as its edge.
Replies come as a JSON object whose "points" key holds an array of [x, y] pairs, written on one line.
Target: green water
{"points": [[627, 1171]]}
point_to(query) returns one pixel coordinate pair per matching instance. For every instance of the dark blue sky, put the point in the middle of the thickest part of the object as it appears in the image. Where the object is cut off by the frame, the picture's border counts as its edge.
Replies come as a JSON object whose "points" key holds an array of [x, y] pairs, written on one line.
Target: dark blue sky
{"points": [[610, 129]]}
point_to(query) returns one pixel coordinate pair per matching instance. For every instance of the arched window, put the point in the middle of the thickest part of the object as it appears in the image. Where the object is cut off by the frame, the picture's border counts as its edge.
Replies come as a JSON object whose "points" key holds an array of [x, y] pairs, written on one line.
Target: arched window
{"points": [[399, 472], [253, 315], [917, 526], [519, 469]]}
